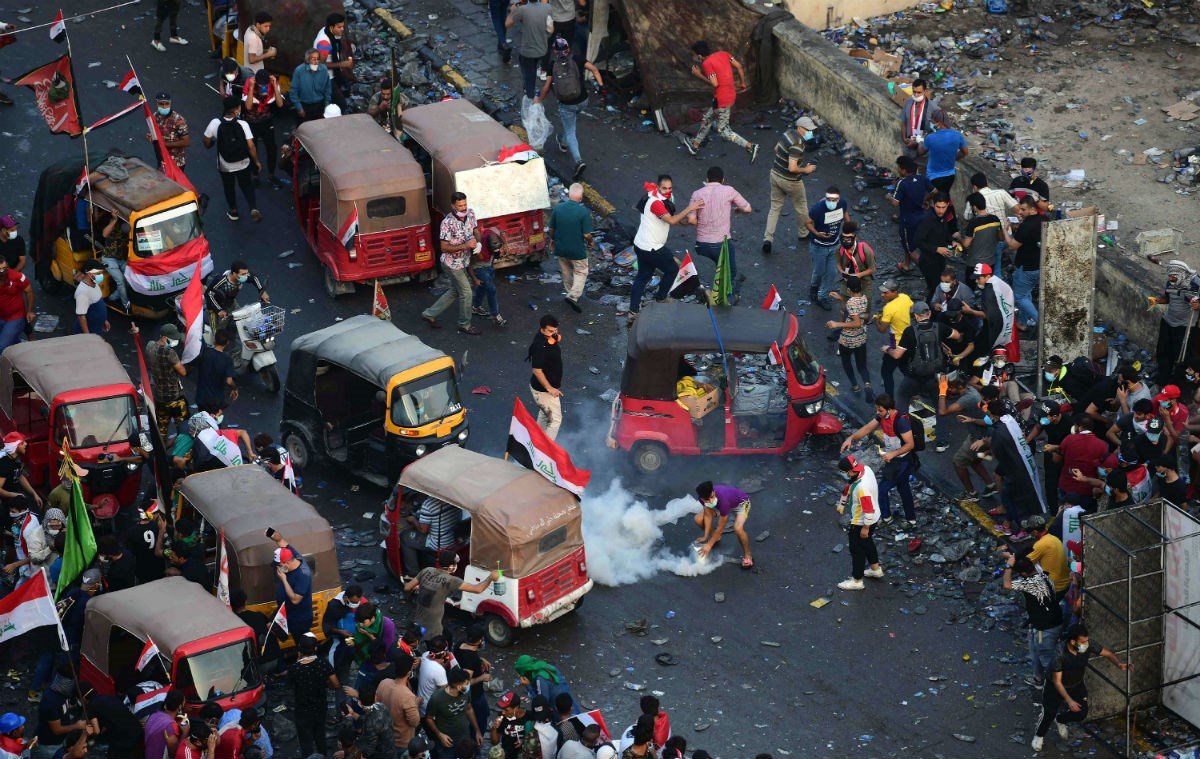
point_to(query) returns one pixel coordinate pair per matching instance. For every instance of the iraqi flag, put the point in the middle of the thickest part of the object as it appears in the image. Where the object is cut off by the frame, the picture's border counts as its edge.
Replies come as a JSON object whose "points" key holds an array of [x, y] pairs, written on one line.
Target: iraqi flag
{"points": [[223, 569], [83, 182], [349, 230], [169, 271], [148, 654], [687, 281], [594, 717], [149, 700], [130, 84], [192, 306], [529, 446], [280, 619], [379, 307], [113, 117], [1021, 472], [772, 302], [775, 355], [29, 607], [1000, 312], [58, 30]]}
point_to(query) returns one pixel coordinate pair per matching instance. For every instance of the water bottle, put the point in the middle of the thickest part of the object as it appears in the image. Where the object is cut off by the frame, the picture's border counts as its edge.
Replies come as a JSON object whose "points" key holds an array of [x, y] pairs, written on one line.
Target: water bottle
{"points": [[498, 586]]}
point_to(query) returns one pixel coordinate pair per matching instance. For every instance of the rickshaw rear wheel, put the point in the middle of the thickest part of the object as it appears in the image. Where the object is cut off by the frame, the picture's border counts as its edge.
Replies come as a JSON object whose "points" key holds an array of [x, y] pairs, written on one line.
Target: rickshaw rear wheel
{"points": [[497, 630], [334, 288], [298, 448], [649, 457], [270, 378]]}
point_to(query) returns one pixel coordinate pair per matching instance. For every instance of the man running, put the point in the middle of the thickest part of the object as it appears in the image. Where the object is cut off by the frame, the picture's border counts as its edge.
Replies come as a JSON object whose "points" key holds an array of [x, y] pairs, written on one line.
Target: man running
{"points": [[717, 70], [717, 502], [1066, 686]]}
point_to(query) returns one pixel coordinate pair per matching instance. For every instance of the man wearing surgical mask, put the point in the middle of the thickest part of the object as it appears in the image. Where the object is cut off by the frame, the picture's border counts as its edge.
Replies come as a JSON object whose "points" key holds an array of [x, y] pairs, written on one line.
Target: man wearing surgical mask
{"points": [[173, 128], [1080, 454], [1056, 427], [916, 118], [91, 315], [788, 170], [824, 223], [12, 245], [221, 293], [311, 88]]}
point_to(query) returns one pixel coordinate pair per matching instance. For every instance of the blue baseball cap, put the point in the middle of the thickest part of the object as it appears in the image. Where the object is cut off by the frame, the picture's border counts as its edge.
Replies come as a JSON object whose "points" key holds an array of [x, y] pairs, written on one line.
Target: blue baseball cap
{"points": [[10, 722]]}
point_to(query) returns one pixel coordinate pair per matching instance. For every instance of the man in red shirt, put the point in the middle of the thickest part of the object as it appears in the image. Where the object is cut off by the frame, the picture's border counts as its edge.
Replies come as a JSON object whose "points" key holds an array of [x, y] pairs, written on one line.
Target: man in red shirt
{"points": [[717, 70], [236, 737], [16, 305], [1081, 451]]}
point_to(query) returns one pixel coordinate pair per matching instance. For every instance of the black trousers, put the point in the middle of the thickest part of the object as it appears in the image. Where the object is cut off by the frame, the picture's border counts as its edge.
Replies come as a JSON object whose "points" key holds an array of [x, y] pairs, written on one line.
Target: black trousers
{"points": [[244, 181], [310, 731], [1052, 703], [167, 9], [862, 550], [1170, 342], [265, 131], [859, 355]]}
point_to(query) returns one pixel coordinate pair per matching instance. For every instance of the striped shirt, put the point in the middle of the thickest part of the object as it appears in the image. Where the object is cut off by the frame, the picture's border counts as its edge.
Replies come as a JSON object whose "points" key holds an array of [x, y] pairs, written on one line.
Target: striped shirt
{"points": [[442, 518], [790, 145]]}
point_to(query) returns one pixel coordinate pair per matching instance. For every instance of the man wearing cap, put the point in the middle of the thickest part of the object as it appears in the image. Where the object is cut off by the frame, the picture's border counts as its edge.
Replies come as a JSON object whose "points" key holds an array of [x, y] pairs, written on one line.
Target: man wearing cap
{"points": [[14, 485], [861, 493], [173, 128], [999, 308], [12, 245], [91, 315], [434, 585], [921, 352], [893, 320], [824, 224], [1049, 419], [16, 302], [235, 152], [508, 729], [1173, 413], [12, 728], [944, 147], [787, 177], [166, 371], [294, 587]]}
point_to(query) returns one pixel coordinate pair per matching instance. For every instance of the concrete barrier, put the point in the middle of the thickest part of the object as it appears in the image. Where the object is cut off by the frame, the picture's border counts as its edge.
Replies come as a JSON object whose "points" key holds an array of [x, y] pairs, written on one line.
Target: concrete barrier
{"points": [[820, 76]]}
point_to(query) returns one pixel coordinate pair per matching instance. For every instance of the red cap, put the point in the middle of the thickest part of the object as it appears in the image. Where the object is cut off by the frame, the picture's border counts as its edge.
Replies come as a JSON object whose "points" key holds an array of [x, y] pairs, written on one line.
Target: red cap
{"points": [[1169, 393], [284, 554], [506, 700], [14, 437], [982, 269]]}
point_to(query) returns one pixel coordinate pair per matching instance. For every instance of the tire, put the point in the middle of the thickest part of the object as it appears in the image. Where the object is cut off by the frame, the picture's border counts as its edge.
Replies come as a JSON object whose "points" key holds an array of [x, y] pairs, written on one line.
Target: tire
{"points": [[270, 378], [497, 631], [334, 288], [649, 458], [50, 285], [298, 448]]}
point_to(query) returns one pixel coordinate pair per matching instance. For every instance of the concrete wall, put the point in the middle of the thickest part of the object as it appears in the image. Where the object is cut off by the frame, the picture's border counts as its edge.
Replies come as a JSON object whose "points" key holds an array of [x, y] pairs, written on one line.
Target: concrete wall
{"points": [[820, 76], [823, 15]]}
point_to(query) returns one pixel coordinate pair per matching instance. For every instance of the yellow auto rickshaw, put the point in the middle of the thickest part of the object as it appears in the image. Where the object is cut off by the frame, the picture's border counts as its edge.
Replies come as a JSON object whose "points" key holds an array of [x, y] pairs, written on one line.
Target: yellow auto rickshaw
{"points": [[240, 502]]}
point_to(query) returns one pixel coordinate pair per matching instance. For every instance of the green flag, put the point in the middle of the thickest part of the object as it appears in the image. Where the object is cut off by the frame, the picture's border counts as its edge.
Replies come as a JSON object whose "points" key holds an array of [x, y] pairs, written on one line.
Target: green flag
{"points": [[722, 282], [80, 546]]}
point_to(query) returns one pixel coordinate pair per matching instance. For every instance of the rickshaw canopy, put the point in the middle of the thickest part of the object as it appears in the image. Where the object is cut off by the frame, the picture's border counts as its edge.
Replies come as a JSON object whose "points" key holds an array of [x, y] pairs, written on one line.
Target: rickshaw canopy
{"points": [[173, 611], [145, 187], [373, 349], [658, 341], [59, 365], [359, 163], [520, 521], [245, 500]]}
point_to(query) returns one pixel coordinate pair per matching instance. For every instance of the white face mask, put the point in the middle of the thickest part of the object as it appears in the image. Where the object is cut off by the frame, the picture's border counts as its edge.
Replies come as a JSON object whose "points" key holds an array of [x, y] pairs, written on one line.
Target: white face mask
{"points": [[13, 234], [314, 66], [918, 98], [230, 77], [1081, 647], [53, 532], [945, 286]]}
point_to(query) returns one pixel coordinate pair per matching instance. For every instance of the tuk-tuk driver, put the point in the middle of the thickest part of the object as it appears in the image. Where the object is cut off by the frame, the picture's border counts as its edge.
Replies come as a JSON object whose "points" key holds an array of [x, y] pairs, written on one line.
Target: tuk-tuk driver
{"points": [[221, 293], [295, 586], [434, 585]]}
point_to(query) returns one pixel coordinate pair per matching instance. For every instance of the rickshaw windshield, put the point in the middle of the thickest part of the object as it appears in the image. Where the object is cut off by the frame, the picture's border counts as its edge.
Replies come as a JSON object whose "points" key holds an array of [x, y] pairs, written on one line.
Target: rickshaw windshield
{"points": [[92, 423], [425, 400], [218, 673], [805, 366], [165, 231]]}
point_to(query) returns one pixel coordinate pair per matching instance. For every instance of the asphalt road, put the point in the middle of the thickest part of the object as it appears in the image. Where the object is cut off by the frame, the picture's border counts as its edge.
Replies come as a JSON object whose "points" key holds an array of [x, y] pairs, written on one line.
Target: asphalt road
{"points": [[854, 676]]}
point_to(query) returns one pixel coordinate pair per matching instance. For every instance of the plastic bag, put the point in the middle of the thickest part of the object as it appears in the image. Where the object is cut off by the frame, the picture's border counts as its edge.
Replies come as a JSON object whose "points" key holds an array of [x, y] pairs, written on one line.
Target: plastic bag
{"points": [[537, 126]]}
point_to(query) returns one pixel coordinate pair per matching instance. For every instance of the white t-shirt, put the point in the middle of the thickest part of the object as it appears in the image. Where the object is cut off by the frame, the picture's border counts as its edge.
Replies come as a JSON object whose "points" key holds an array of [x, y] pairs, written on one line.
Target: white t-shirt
{"points": [[85, 296], [252, 43], [211, 133], [430, 677]]}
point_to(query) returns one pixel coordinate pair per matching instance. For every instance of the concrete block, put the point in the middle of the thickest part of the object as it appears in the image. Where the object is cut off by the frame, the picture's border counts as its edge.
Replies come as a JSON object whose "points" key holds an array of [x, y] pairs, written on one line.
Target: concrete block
{"points": [[1155, 242]]}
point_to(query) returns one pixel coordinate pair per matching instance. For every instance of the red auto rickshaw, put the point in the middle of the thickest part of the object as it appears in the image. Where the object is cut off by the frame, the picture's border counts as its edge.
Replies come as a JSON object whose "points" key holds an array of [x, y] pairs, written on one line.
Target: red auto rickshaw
{"points": [[360, 200], [669, 407], [75, 389]]}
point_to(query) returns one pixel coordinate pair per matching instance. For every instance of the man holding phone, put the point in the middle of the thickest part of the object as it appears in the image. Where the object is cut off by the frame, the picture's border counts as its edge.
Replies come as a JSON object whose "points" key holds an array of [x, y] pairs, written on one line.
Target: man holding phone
{"points": [[295, 585]]}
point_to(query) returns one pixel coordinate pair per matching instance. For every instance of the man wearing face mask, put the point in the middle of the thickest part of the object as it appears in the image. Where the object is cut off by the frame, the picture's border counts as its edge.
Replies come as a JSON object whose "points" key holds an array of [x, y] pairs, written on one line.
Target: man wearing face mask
{"points": [[855, 258], [220, 295], [948, 288], [312, 89], [650, 242], [1080, 454], [29, 540], [1174, 415], [91, 315], [173, 128], [1028, 183], [545, 356], [717, 502], [916, 117], [1016, 471], [1056, 426], [787, 177], [861, 494], [16, 305], [118, 565], [824, 224], [233, 78], [261, 97], [1066, 686], [999, 309], [461, 238], [337, 53], [1181, 296], [12, 245], [936, 237]]}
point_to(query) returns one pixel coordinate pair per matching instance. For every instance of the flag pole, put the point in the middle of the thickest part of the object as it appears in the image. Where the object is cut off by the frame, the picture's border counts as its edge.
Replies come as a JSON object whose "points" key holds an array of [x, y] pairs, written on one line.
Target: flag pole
{"points": [[720, 343], [87, 161]]}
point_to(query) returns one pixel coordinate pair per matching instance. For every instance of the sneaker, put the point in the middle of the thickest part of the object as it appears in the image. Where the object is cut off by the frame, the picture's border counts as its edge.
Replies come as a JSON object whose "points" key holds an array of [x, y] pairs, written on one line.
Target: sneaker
{"points": [[158, 45], [33, 696], [1003, 530], [232, 215], [753, 153], [178, 41], [1034, 682], [579, 169], [990, 491], [541, 75], [574, 306], [942, 447], [886, 520], [687, 142], [996, 512], [856, 389], [910, 523], [876, 573], [562, 146], [1036, 743], [766, 248], [255, 214], [851, 584], [968, 495], [480, 311], [868, 392], [1019, 535], [1063, 734], [499, 320]]}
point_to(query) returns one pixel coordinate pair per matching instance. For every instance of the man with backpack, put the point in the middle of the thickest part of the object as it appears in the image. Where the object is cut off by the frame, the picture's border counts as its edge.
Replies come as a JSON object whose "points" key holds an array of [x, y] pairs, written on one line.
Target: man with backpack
{"points": [[566, 79], [921, 354], [235, 153], [902, 438]]}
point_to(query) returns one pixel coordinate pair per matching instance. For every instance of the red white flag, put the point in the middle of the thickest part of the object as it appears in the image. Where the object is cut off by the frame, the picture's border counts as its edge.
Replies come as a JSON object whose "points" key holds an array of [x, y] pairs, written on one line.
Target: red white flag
{"points": [[380, 309], [165, 162], [594, 717], [111, 118], [193, 316], [130, 83], [687, 280], [775, 355], [349, 230], [280, 620], [53, 86], [223, 570], [147, 702], [58, 30], [82, 183], [28, 607], [149, 652], [772, 302], [529, 445]]}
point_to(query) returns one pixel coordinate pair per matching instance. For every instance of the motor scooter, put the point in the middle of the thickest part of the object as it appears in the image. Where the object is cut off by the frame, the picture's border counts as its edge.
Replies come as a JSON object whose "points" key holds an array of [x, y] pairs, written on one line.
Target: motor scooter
{"points": [[255, 326]]}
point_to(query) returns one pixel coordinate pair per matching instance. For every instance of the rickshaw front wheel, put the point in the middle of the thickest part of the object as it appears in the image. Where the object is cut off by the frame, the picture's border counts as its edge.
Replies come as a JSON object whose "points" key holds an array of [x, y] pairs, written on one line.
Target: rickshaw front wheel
{"points": [[298, 449], [497, 630], [649, 458]]}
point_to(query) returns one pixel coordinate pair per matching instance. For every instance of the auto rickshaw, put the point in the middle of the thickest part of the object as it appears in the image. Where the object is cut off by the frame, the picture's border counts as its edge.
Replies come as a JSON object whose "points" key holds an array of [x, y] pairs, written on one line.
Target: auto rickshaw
{"points": [[75, 389], [166, 238], [242, 501], [296, 24], [461, 147], [377, 182], [204, 648], [369, 397], [748, 411], [520, 523]]}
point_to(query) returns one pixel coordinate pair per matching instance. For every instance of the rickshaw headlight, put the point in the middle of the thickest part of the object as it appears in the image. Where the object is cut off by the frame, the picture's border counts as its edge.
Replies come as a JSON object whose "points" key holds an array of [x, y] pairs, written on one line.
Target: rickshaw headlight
{"points": [[133, 467], [462, 436], [815, 407], [420, 451]]}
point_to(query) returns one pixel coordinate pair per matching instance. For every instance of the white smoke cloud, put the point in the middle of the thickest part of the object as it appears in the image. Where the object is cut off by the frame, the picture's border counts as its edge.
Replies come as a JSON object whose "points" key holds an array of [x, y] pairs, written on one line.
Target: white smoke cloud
{"points": [[623, 537]]}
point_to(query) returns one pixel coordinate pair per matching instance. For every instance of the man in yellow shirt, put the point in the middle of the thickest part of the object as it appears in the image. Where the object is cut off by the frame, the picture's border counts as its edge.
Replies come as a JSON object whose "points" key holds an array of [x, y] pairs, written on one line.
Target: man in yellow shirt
{"points": [[1048, 553], [893, 320]]}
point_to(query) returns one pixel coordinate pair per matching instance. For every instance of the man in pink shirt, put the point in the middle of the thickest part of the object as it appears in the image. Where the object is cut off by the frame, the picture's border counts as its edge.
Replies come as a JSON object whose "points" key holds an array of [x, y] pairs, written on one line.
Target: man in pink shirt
{"points": [[713, 220]]}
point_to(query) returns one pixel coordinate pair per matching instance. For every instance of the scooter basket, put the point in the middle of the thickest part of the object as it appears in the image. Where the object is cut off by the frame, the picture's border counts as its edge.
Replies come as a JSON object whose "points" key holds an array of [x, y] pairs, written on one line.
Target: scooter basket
{"points": [[267, 323]]}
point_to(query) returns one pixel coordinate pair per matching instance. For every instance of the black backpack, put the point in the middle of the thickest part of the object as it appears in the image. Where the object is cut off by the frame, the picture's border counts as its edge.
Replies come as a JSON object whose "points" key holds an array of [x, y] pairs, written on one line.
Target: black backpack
{"points": [[566, 77], [918, 432], [926, 359], [231, 141]]}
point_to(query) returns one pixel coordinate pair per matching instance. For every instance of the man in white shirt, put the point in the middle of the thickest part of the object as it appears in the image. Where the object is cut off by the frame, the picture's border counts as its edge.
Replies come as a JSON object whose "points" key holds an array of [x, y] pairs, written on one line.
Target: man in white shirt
{"points": [[91, 315], [235, 152], [252, 43], [436, 663]]}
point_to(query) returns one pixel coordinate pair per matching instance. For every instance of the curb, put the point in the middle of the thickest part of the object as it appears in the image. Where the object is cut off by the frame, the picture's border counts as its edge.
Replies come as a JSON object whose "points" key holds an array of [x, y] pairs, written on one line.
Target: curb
{"points": [[448, 72]]}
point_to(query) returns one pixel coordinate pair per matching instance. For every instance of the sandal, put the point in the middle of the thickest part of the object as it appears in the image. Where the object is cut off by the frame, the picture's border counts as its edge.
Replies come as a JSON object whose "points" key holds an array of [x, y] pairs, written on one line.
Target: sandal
{"points": [[747, 562]]}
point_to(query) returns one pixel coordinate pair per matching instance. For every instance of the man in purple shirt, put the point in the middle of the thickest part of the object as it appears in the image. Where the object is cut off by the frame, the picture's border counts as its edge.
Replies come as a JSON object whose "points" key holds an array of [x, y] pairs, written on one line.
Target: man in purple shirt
{"points": [[717, 501], [713, 221]]}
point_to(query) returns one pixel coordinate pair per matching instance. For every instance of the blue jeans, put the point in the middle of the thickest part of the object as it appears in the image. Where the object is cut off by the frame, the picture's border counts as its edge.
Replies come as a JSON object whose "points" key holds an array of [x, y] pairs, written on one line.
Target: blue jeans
{"points": [[824, 270], [1024, 283], [499, 11], [567, 114], [906, 496], [999, 267], [1043, 647], [529, 67], [11, 331], [712, 251], [648, 261], [486, 288]]}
